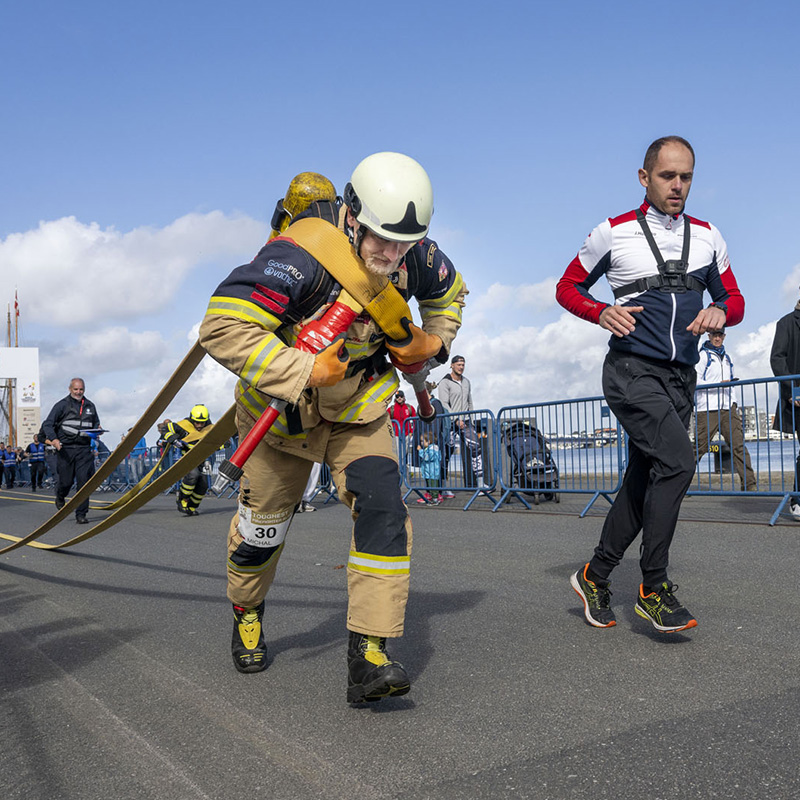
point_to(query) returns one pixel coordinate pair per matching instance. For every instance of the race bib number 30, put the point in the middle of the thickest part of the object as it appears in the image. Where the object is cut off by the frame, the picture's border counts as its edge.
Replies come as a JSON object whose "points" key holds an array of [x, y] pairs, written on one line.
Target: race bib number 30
{"points": [[263, 530]]}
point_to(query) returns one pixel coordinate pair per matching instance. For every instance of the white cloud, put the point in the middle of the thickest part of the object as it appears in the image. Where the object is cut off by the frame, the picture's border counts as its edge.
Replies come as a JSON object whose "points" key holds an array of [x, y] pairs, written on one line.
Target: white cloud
{"points": [[98, 353], [532, 296], [789, 287], [210, 384], [751, 356], [502, 306], [526, 364], [74, 274], [118, 348]]}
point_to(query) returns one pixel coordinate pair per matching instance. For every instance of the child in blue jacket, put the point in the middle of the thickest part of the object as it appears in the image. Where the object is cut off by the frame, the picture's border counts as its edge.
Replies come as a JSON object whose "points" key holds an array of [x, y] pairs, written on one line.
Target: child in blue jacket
{"points": [[430, 461]]}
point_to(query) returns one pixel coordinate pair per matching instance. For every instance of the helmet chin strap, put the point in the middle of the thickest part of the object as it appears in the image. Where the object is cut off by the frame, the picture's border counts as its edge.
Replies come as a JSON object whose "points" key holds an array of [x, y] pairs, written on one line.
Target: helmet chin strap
{"points": [[356, 236]]}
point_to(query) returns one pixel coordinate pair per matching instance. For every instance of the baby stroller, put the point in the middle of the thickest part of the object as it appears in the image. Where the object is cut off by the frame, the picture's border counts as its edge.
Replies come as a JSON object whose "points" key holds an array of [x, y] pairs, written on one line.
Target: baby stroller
{"points": [[532, 467]]}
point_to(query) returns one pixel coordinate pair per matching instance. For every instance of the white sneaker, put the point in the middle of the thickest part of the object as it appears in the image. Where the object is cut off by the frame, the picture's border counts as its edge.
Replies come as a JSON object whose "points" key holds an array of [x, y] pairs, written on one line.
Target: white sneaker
{"points": [[794, 510], [306, 506]]}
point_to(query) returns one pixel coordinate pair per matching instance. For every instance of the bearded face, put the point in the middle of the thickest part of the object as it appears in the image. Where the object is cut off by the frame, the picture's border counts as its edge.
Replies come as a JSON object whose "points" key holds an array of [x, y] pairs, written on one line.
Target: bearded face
{"points": [[381, 256]]}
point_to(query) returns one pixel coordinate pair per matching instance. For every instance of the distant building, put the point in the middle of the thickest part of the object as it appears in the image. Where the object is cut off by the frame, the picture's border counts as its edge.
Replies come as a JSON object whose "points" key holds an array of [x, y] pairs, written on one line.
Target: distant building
{"points": [[756, 423]]}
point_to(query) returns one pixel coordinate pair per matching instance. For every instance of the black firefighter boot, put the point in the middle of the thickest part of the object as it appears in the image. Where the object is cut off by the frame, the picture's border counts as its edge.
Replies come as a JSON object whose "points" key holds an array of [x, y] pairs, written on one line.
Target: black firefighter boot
{"points": [[248, 648], [371, 673]]}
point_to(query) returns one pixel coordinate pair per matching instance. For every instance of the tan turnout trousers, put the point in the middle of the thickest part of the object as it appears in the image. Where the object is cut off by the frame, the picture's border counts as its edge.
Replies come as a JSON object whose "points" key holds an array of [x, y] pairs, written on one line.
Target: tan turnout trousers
{"points": [[365, 472]]}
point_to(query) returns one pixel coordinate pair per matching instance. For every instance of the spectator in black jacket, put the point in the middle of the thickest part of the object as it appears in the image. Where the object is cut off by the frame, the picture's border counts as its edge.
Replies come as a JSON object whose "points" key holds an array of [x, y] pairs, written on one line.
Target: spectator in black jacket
{"points": [[785, 360], [68, 427]]}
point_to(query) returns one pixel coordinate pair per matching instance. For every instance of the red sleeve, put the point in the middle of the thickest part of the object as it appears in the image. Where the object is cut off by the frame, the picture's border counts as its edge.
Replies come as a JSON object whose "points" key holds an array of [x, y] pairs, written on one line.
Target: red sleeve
{"points": [[571, 292], [734, 300]]}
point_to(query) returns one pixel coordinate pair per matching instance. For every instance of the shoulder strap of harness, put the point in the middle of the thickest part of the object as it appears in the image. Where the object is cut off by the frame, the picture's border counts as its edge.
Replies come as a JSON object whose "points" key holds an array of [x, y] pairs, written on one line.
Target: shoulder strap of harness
{"points": [[708, 362], [671, 277], [331, 247]]}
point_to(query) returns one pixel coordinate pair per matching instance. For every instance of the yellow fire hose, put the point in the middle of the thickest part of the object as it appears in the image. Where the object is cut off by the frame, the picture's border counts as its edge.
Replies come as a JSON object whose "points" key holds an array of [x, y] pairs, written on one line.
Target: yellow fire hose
{"points": [[214, 437], [96, 505], [304, 189]]}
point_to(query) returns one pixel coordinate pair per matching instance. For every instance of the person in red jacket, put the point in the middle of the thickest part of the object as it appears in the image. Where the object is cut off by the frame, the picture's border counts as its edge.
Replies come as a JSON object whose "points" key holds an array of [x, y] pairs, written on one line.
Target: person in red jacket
{"points": [[401, 412]]}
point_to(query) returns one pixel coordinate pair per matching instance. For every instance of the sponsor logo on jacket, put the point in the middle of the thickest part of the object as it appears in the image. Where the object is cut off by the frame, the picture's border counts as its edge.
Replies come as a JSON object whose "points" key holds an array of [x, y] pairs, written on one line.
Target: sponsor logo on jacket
{"points": [[283, 272]]}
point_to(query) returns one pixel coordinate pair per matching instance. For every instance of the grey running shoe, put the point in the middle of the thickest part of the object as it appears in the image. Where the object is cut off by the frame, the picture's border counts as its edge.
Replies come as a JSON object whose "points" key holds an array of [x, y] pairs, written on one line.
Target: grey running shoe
{"points": [[596, 600]]}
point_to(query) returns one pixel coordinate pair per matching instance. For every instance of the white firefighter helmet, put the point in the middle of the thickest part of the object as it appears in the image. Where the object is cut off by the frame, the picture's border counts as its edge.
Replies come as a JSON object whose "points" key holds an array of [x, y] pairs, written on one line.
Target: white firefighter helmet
{"points": [[391, 195]]}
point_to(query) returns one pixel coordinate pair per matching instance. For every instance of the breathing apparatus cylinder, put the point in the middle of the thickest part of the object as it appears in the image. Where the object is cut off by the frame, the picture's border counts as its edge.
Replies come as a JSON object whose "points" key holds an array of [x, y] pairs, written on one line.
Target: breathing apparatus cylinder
{"points": [[305, 189]]}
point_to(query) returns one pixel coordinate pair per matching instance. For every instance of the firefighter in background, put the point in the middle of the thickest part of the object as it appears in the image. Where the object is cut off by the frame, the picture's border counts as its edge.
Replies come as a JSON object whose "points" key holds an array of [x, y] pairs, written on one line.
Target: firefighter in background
{"points": [[183, 436], [338, 404]]}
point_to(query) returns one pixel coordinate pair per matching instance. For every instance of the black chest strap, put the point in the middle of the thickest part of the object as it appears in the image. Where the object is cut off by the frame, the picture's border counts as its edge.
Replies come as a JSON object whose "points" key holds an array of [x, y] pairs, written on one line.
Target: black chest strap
{"points": [[672, 275]]}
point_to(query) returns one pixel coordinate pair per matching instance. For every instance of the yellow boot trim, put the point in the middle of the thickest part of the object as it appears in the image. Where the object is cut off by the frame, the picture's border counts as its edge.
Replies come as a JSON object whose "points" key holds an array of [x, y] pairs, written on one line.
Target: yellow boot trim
{"points": [[374, 653], [250, 629]]}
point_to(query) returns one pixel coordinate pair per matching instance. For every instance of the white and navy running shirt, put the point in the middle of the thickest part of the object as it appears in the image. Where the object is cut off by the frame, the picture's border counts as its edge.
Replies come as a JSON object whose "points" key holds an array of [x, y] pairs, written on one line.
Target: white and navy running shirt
{"points": [[618, 249]]}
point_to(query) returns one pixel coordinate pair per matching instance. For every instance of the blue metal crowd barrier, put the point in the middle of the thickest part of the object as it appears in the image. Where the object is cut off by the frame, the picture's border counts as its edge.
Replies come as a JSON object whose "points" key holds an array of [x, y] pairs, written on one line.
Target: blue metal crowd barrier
{"points": [[325, 485], [467, 456], [541, 451], [22, 475], [565, 447], [751, 417]]}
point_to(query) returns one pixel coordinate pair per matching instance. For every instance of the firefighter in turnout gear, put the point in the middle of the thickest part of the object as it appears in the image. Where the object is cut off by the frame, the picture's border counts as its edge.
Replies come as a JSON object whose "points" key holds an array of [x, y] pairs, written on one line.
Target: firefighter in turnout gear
{"points": [[337, 399], [183, 436]]}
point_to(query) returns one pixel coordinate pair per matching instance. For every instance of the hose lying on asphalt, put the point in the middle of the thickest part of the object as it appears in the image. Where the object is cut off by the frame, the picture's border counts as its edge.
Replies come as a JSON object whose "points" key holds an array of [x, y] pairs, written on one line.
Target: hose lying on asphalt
{"points": [[214, 437]]}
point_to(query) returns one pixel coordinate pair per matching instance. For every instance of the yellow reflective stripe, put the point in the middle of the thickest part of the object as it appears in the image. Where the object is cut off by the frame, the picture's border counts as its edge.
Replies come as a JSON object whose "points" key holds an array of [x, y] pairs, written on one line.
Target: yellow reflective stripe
{"points": [[251, 400], [254, 403], [448, 298], [453, 312], [261, 357], [359, 350], [380, 390], [380, 565], [243, 309], [280, 428], [446, 306], [259, 568]]}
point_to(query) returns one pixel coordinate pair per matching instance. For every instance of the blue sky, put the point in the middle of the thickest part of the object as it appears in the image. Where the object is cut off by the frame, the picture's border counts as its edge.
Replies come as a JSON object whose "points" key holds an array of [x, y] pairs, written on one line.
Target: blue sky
{"points": [[143, 147]]}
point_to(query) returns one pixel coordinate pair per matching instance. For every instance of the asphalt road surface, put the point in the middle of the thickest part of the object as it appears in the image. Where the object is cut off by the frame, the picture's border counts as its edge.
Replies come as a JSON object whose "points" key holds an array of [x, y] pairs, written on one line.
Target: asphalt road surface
{"points": [[116, 679]]}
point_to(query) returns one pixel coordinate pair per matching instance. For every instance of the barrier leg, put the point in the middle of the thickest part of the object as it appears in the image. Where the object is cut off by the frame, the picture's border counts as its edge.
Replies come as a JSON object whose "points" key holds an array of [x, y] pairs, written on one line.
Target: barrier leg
{"points": [[592, 501], [779, 510]]}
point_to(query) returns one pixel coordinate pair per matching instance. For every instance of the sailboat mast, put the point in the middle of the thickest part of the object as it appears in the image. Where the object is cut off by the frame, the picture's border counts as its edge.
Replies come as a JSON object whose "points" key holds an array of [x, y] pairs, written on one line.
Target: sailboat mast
{"points": [[12, 439]]}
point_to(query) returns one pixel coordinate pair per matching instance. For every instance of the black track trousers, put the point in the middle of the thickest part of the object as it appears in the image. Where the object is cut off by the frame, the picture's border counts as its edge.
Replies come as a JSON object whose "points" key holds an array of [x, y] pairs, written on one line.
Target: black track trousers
{"points": [[653, 402], [75, 465]]}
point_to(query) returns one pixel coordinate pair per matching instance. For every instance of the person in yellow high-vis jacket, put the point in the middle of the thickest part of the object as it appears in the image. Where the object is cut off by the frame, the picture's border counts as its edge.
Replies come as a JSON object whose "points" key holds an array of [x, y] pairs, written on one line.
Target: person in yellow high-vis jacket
{"points": [[337, 408], [183, 436]]}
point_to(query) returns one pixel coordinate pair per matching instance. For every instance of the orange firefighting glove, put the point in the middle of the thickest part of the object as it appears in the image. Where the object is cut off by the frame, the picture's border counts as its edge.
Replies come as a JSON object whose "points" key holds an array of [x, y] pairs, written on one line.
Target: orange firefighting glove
{"points": [[330, 364], [411, 354]]}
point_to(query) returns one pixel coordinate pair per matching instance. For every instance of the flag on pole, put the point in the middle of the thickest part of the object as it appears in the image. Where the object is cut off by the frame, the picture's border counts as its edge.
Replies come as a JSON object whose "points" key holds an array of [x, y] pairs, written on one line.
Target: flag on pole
{"points": [[16, 304]]}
